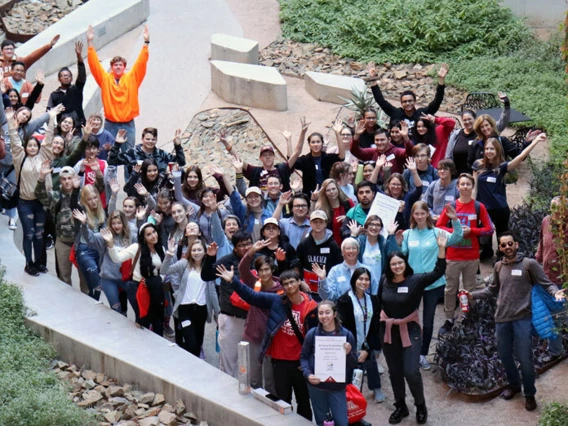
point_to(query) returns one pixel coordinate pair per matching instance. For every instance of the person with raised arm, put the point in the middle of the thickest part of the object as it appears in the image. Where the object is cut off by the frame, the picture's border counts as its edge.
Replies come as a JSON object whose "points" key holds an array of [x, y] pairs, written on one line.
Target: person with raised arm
{"points": [[119, 89], [9, 56], [408, 111]]}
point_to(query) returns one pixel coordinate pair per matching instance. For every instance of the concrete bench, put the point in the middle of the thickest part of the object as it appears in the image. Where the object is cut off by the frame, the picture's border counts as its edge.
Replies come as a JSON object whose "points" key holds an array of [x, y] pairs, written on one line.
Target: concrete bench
{"points": [[328, 87], [234, 49], [250, 85]]}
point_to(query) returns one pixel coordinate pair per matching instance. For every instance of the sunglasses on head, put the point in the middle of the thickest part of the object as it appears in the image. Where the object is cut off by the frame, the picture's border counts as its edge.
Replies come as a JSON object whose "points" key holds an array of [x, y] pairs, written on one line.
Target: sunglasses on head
{"points": [[507, 244]]}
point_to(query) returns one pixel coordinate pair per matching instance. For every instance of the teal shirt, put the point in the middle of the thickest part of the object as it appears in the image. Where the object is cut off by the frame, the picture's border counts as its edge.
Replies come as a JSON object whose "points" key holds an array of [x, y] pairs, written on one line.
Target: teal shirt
{"points": [[422, 249]]}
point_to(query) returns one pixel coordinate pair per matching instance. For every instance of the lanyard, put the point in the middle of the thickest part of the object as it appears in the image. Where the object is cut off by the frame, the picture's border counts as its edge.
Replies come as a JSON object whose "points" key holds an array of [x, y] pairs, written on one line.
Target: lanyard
{"points": [[364, 312]]}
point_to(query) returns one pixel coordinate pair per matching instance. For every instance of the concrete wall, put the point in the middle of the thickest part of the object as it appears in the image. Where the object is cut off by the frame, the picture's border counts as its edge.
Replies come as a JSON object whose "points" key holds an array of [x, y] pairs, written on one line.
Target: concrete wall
{"points": [[539, 13], [110, 19], [89, 334]]}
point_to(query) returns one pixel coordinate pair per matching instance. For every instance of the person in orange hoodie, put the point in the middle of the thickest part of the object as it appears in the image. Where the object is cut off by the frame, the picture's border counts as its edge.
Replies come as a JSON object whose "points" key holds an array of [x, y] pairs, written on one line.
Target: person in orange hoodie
{"points": [[119, 89]]}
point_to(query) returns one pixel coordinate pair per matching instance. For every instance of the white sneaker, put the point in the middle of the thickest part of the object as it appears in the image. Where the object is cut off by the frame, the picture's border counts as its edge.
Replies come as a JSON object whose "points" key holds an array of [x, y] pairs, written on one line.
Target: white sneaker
{"points": [[12, 224], [424, 364], [380, 368]]}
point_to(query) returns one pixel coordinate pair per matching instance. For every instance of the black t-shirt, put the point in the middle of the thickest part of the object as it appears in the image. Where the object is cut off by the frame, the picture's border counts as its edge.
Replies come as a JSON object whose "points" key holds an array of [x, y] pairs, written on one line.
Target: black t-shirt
{"points": [[461, 150]]}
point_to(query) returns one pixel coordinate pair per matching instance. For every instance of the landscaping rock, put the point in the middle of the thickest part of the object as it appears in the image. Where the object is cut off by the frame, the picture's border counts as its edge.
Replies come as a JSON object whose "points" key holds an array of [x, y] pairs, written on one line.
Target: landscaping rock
{"points": [[34, 16], [147, 398], [167, 418], [149, 421], [158, 399]]}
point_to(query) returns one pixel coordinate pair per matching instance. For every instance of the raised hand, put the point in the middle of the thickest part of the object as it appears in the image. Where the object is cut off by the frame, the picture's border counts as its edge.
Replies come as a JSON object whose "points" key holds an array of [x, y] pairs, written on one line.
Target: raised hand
{"points": [[39, 76], [280, 255], [295, 185], [428, 117], [177, 137], [371, 69], [114, 186], [225, 274], [404, 130], [141, 189], [190, 211], [146, 33], [90, 34], [237, 164], [337, 126], [315, 194], [540, 138], [259, 245], [141, 212], [360, 129], [355, 228], [442, 239], [121, 136], [212, 249], [411, 164], [107, 235], [11, 118], [157, 217], [451, 212], [532, 134], [94, 165], [216, 170], [80, 216], [381, 161], [55, 111], [46, 169], [303, 124], [285, 132], [172, 245], [319, 271], [502, 96], [88, 128], [79, 48], [340, 219], [391, 229], [76, 181], [285, 198], [443, 71]]}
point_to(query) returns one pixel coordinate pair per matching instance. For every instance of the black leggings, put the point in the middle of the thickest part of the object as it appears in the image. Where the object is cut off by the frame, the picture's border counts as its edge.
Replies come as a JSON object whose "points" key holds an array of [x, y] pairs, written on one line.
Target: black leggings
{"points": [[287, 376], [155, 316], [192, 319]]}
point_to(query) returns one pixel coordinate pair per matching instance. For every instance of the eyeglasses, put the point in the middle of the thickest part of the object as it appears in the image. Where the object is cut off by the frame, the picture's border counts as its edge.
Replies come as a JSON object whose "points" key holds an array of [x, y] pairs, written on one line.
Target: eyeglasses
{"points": [[507, 244], [300, 206]]}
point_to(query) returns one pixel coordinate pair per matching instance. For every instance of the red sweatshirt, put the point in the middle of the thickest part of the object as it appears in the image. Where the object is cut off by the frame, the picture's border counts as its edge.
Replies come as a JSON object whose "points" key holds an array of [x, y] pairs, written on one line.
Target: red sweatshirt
{"points": [[468, 248], [444, 127]]}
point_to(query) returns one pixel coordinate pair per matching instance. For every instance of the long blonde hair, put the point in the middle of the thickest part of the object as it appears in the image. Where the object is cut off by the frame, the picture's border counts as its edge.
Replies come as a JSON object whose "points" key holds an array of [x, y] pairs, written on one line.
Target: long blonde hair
{"points": [[323, 202], [97, 217], [423, 206]]}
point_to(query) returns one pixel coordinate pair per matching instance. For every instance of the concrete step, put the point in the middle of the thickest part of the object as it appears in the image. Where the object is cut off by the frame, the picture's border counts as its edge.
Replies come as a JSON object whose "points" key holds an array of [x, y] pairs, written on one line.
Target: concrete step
{"points": [[328, 87], [234, 49], [250, 85]]}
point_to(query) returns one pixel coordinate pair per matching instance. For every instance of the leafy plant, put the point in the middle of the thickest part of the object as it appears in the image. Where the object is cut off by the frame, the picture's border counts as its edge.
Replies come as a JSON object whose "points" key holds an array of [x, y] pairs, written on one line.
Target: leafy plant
{"points": [[554, 414], [360, 101], [525, 221], [30, 394]]}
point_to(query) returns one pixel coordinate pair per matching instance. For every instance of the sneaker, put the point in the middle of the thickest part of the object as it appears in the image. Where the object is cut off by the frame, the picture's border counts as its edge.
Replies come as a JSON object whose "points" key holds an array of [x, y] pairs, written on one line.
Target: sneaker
{"points": [[530, 403], [446, 327], [49, 243], [399, 414], [168, 331], [379, 396], [380, 368], [31, 270], [12, 224], [424, 364]]}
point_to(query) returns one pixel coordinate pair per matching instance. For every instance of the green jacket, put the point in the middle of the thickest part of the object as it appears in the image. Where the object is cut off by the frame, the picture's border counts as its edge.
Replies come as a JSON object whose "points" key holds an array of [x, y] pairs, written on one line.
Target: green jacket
{"points": [[61, 206], [66, 160]]}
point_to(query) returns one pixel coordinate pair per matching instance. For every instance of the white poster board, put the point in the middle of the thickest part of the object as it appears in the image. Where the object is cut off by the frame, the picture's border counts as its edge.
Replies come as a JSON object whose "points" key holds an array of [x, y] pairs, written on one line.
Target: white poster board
{"points": [[330, 358], [386, 208]]}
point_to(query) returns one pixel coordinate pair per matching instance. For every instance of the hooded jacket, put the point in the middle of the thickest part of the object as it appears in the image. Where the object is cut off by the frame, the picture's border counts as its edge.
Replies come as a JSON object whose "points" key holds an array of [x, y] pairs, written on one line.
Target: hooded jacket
{"points": [[325, 253]]}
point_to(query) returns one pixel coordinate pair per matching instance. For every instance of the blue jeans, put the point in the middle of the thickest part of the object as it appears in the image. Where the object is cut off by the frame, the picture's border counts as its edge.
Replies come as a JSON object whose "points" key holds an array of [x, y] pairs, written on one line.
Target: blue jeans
{"points": [[519, 334], [324, 401], [88, 261], [113, 128], [32, 216], [429, 302], [110, 288]]}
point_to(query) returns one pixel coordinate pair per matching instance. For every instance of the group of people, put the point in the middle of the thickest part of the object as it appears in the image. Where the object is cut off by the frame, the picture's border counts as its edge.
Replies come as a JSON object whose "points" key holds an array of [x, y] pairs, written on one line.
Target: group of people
{"points": [[276, 262]]}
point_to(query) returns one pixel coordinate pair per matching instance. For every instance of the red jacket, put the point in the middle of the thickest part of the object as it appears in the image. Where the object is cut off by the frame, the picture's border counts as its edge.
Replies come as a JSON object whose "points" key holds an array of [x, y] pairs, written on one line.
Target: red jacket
{"points": [[444, 127], [397, 156]]}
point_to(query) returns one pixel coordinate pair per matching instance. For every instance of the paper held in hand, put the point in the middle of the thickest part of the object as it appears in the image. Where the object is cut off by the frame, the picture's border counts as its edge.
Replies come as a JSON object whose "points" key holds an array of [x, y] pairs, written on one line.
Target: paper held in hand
{"points": [[330, 358], [386, 208]]}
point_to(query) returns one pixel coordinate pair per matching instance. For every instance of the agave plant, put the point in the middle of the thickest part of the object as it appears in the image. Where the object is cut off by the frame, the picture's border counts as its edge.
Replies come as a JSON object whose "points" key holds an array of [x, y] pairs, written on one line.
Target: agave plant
{"points": [[360, 101]]}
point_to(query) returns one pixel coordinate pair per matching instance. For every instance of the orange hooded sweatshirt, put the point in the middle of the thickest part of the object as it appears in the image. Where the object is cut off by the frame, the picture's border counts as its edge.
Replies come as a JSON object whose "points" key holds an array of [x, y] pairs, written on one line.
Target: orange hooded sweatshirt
{"points": [[120, 100]]}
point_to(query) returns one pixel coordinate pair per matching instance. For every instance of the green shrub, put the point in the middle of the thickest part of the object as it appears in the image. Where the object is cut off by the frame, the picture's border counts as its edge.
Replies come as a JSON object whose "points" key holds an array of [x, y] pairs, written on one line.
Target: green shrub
{"points": [[402, 30], [30, 394], [554, 414]]}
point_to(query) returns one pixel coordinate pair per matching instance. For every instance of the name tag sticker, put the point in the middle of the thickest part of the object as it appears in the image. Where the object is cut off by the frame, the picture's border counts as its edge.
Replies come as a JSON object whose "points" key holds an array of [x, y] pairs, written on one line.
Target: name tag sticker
{"points": [[185, 323], [425, 183], [517, 272], [324, 250], [57, 170], [471, 142], [317, 167], [25, 95], [472, 217], [402, 290], [449, 198], [491, 179], [413, 243], [390, 157], [341, 279], [257, 222]]}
